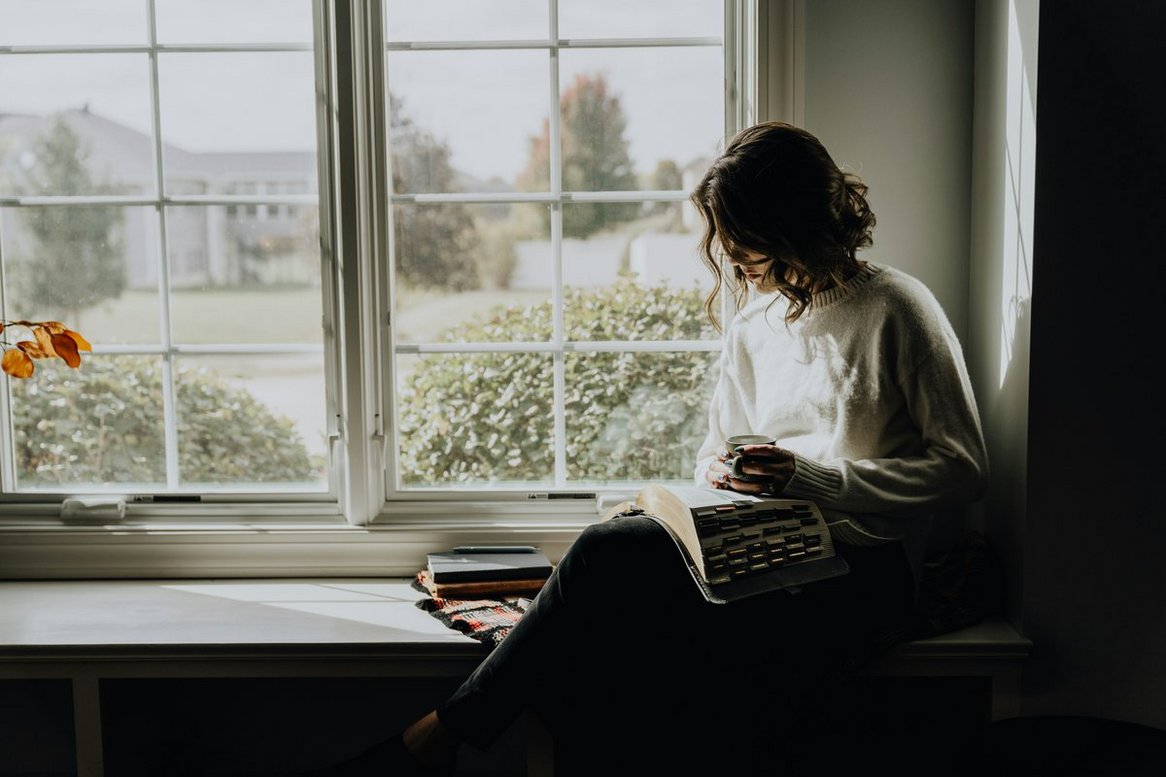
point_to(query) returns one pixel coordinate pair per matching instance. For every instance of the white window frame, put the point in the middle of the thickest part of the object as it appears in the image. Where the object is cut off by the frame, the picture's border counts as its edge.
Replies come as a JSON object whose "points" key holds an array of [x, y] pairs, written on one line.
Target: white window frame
{"points": [[185, 505], [369, 530]]}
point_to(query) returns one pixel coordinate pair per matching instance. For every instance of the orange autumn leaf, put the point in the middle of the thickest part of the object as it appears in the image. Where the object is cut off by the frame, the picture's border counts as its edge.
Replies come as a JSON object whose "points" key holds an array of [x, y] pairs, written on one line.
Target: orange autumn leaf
{"points": [[49, 339], [17, 364], [44, 340], [33, 349], [66, 348], [82, 343]]}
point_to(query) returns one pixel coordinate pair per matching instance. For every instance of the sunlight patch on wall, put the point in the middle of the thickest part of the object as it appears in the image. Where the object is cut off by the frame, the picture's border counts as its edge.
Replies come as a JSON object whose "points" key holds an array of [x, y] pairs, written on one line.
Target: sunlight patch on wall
{"points": [[1019, 181]]}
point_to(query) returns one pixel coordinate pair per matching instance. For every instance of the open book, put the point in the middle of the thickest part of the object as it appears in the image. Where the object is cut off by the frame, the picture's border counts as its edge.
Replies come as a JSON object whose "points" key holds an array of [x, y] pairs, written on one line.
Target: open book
{"points": [[737, 545]]}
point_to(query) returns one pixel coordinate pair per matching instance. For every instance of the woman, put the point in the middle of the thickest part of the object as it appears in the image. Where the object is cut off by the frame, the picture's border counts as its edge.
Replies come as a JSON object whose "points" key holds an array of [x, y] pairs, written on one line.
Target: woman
{"points": [[853, 368]]}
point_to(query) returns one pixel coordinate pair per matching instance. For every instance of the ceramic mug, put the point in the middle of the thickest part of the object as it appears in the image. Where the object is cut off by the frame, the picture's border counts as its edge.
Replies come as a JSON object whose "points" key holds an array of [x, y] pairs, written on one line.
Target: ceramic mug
{"points": [[734, 463]]}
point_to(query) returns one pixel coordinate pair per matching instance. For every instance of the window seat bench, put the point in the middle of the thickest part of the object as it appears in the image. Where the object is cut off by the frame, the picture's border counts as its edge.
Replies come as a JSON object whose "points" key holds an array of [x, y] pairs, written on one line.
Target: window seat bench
{"points": [[89, 635]]}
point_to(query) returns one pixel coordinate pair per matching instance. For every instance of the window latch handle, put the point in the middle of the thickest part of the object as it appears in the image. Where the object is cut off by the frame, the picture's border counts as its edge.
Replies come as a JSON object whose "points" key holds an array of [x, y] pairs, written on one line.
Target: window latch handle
{"points": [[99, 508]]}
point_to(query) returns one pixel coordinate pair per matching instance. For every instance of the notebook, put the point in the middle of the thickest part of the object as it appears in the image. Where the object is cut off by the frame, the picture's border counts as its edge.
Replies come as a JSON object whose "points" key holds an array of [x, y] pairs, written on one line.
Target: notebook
{"points": [[487, 564]]}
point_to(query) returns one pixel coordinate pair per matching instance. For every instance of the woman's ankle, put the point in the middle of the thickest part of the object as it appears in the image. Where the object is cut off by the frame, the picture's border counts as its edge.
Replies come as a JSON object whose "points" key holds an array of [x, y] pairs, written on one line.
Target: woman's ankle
{"points": [[430, 742]]}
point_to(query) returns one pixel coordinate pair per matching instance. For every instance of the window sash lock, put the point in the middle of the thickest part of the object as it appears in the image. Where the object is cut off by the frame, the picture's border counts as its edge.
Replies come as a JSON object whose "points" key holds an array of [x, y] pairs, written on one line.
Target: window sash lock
{"points": [[99, 508]]}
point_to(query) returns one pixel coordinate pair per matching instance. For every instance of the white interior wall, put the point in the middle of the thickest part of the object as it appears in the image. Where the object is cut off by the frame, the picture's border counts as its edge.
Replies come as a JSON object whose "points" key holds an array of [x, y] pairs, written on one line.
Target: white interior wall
{"points": [[888, 90], [1003, 184], [905, 94]]}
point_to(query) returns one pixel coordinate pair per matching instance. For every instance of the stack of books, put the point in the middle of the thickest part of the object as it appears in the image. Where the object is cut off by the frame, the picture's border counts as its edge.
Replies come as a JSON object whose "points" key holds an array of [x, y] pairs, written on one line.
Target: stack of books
{"points": [[485, 571]]}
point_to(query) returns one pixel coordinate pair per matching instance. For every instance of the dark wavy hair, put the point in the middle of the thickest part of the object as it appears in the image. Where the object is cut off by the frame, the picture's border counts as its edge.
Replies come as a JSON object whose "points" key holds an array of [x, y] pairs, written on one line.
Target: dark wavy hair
{"points": [[776, 191]]}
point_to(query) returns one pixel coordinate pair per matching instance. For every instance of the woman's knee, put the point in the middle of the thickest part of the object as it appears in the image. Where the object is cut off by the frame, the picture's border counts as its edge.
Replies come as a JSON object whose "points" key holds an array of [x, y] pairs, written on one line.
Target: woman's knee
{"points": [[622, 540], [617, 555]]}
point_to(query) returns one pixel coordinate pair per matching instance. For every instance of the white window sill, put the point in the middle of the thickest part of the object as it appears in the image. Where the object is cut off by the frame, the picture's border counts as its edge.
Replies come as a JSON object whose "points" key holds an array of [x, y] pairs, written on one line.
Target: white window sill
{"points": [[267, 618]]}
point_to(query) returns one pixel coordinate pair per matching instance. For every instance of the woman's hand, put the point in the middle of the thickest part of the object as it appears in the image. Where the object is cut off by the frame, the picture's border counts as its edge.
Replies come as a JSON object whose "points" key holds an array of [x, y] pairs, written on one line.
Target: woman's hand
{"points": [[773, 466]]}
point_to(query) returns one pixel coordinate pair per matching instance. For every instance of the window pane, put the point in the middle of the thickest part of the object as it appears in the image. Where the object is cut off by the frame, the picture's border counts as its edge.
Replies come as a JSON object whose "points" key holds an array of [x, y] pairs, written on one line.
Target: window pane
{"points": [[627, 111], [71, 22], [475, 419], [252, 420], [634, 276], [469, 20], [253, 21], [239, 276], [230, 120], [93, 267], [641, 19], [636, 416], [245, 274], [91, 427], [472, 273], [631, 119], [75, 124], [465, 120]]}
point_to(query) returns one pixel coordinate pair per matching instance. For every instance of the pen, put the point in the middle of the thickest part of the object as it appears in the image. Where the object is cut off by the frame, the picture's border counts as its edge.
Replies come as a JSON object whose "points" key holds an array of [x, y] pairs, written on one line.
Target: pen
{"points": [[562, 495], [495, 549]]}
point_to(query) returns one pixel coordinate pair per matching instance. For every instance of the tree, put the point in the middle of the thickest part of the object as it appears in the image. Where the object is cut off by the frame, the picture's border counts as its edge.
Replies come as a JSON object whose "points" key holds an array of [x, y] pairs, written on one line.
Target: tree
{"points": [[435, 245], [594, 156], [76, 258], [667, 177]]}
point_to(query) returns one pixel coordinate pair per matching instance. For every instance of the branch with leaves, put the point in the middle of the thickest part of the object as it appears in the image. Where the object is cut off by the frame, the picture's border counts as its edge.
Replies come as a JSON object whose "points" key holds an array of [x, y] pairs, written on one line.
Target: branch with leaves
{"points": [[43, 340]]}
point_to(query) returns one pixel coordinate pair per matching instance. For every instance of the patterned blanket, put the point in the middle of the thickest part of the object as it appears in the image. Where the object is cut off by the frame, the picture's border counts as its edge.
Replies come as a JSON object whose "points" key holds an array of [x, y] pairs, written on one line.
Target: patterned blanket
{"points": [[486, 620]]}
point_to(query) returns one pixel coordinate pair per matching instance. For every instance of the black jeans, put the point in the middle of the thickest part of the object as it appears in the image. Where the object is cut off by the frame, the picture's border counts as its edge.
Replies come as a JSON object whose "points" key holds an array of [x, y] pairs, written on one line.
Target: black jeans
{"points": [[627, 664]]}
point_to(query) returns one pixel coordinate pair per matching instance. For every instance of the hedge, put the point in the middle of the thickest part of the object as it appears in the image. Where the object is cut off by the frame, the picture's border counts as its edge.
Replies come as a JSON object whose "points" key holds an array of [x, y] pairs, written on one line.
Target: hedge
{"points": [[488, 418], [103, 423], [464, 419]]}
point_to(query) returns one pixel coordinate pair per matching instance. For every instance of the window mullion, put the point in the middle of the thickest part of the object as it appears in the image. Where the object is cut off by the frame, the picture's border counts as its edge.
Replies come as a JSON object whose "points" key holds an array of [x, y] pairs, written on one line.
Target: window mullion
{"points": [[361, 227], [558, 329], [7, 423], [326, 197], [169, 398]]}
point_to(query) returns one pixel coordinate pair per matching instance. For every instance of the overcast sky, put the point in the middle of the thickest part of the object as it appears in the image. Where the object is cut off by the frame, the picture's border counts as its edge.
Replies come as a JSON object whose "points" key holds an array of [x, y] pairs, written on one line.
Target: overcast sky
{"points": [[483, 104]]}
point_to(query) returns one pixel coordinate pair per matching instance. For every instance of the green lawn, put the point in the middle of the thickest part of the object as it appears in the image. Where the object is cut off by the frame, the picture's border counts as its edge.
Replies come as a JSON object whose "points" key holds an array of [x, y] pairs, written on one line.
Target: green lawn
{"points": [[272, 316], [220, 316]]}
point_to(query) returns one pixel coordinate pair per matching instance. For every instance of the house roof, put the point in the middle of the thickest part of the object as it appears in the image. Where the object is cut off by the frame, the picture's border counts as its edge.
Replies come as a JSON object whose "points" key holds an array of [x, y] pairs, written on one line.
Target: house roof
{"points": [[121, 154]]}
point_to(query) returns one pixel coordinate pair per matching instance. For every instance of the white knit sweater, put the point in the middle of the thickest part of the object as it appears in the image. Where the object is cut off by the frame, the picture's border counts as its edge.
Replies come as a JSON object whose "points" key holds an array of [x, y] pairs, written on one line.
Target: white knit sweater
{"points": [[870, 390]]}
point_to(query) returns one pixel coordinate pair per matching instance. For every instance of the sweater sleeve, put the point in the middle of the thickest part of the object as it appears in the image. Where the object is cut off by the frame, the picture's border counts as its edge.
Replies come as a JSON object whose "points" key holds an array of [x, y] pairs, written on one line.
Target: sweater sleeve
{"points": [[723, 405], [949, 467]]}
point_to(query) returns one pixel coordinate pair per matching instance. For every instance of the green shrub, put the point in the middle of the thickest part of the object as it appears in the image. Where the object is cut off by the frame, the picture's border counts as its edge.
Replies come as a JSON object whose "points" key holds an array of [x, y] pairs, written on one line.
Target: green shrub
{"points": [[472, 418], [103, 423]]}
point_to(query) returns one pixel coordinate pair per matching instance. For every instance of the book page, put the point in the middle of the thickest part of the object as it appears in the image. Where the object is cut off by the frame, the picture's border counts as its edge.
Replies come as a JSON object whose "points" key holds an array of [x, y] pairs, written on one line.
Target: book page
{"points": [[675, 506], [756, 544]]}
